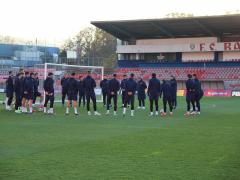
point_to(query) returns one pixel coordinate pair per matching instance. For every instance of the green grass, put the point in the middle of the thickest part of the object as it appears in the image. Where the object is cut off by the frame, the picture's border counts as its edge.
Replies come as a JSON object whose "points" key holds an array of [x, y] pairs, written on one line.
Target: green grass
{"points": [[67, 147]]}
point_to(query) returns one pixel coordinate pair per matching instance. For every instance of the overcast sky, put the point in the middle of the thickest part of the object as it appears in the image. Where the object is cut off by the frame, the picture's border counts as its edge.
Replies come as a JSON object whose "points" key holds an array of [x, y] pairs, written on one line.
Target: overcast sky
{"points": [[56, 20]]}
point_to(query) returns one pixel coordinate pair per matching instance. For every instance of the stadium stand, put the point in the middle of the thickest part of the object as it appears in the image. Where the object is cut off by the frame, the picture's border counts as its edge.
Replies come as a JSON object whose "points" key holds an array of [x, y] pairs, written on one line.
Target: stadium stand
{"points": [[179, 46], [224, 73], [205, 71]]}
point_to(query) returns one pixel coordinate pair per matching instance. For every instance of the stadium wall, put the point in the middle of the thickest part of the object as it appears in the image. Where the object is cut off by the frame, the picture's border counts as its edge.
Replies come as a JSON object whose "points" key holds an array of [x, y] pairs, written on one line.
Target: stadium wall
{"points": [[174, 41], [196, 56], [231, 56]]}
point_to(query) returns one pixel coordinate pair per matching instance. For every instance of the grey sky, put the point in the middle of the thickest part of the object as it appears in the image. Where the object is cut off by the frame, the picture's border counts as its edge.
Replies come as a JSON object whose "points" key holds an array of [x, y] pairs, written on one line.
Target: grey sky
{"points": [[56, 20]]}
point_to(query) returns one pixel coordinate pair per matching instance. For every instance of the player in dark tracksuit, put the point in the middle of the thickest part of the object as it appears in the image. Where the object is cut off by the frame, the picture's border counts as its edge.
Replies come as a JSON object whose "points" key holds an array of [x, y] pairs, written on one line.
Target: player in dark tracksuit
{"points": [[48, 86], [190, 94], [103, 85], [89, 85], [81, 92], [167, 97], [173, 83], [25, 75], [22, 79], [18, 86], [113, 87], [123, 89], [28, 91], [131, 87], [36, 92], [72, 94], [154, 88], [141, 87], [64, 82], [9, 90], [198, 93]]}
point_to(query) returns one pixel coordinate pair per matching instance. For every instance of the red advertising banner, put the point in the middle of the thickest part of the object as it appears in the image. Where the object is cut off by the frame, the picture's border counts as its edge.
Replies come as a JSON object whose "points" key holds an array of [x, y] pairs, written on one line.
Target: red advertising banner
{"points": [[218, 93], [213, 93]]}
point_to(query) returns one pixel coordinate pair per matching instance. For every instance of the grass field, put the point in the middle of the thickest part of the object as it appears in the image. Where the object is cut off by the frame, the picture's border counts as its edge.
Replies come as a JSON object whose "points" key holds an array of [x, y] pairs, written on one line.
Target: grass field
{"points": [[67, 147]]}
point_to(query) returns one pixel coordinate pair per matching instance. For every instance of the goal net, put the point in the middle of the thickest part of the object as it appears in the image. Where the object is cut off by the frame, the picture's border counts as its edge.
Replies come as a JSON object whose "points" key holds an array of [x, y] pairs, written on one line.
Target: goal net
{"points": [[60, 70]]}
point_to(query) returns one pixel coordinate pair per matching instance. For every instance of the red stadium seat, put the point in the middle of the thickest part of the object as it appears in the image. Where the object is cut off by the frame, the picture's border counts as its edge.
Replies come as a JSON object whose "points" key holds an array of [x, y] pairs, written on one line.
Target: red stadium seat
{"points": [[225, 73]]}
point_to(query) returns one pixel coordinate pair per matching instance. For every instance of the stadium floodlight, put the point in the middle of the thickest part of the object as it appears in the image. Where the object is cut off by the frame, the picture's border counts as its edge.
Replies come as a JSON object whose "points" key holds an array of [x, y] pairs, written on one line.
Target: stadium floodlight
{"points": [[59, 70]]}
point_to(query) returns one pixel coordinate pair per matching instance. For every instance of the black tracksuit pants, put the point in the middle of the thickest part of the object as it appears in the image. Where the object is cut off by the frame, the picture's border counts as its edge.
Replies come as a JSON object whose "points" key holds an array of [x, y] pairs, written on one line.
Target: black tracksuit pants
{"points": [[18, 102], [82, 97], [104, 98], [109, 99], [155, 101], [190, 101], [64, 94], [10, 98], [129, 99], [167, 100], [47, 99], [92, 97]]}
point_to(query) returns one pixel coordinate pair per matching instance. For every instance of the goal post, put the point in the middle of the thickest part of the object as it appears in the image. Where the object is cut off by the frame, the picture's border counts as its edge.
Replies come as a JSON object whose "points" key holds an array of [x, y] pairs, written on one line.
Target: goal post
{"points": [[60, 70]]}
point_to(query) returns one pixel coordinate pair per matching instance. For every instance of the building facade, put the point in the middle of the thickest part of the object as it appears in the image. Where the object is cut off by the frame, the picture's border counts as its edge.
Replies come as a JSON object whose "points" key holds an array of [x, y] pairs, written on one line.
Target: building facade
{"points": [[13, 55]]}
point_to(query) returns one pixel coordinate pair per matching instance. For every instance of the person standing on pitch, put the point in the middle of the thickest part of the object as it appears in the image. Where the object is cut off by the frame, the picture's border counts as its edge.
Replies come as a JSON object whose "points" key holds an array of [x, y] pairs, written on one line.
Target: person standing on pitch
{"points": [[18, 86], [173, 83], [81, 92], [190, 95], [36, 92], [48, 86], [28, 91], [131, 87], [198, 93], [25, 76], [22, 79], [167, 97], [141, 88], [72, 94], [9, 91], [103, 85], [64, 84], [89, 84], [154, 88], [123, 89], [113, 87]]}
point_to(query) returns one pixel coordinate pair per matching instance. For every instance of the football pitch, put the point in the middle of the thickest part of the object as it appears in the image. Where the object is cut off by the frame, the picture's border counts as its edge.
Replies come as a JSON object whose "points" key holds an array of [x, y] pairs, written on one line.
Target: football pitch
{"points": [[108, 148]]}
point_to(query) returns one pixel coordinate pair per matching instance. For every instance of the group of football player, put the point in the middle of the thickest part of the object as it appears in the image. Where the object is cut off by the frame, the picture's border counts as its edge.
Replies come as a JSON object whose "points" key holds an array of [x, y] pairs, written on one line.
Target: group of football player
{"points": [[24, 87], [77, 89]]}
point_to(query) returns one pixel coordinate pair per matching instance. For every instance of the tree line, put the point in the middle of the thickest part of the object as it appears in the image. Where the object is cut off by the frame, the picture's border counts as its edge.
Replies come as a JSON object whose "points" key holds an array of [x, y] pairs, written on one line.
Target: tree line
{"points": [[93, 46]]}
